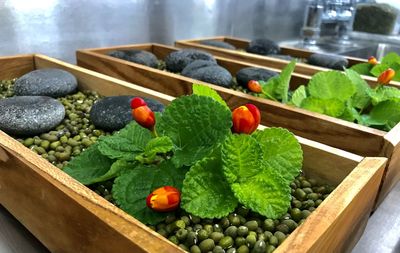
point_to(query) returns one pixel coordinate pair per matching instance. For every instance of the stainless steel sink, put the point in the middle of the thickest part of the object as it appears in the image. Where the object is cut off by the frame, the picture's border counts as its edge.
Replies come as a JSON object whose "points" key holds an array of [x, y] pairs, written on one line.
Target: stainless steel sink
{"points": [[326, 45], [377, 50], [356, 47]]}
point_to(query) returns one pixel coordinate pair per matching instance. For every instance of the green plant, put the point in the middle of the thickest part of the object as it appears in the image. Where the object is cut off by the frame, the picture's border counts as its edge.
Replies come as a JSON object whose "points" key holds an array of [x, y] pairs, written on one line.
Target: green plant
{"points": [[343, 95], [373, 68], [191, 147]]}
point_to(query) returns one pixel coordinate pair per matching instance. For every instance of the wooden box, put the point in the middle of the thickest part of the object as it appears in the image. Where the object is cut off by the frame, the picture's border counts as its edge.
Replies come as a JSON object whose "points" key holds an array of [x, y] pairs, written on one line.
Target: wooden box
{"points": [[334, 132], [239, 43], [68, 217]]}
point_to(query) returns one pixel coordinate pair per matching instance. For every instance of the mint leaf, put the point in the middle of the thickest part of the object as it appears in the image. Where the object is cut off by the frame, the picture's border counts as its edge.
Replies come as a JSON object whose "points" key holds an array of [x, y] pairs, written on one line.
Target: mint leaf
{"points": [[362, 68], [205, 192], [384, 93], [257, 186], [127, 143], [386, 112], [299, 95], [361, 98], [90, 166], [331, 85], [130, 189], [281, 151], [331, 107], [284, 81], [196, 125], [202, 90]]}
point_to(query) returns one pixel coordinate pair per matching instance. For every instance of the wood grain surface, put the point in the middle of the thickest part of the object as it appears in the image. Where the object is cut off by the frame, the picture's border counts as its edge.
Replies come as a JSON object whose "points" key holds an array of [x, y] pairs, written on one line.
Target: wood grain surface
{"points": [[68, 217]]}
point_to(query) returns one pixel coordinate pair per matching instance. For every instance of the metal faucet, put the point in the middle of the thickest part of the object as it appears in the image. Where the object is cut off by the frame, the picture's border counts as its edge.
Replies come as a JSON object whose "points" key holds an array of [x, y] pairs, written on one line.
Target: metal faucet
{"points": [[336, 12]]}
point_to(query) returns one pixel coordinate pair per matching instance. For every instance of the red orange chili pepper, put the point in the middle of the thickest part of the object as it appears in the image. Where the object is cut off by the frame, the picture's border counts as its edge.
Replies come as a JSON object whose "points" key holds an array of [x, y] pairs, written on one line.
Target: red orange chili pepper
{"points": [[386, 76], [164, 199], [143, 115], [246, 119], [254, 86], [372, 60]]}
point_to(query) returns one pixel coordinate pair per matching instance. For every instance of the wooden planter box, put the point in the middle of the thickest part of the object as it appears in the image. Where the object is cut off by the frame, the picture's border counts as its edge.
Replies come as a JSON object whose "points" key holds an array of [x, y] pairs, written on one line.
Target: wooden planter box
{"points": [[334, 132], [66, 216], [239, 43]]}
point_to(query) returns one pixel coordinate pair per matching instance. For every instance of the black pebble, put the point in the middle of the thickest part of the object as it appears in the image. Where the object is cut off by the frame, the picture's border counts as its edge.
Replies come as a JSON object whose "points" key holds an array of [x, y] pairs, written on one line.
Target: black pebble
{"points": [[137, 56], [244, 75], [217, 43], [263, 47], [178, 60], [328, 61], [114, 113], [209, 72]]}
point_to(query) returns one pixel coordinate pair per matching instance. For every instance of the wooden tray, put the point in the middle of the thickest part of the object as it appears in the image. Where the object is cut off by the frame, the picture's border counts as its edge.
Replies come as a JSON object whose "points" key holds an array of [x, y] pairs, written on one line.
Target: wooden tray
{"points": [[239, 43], [334, 132], [68, 217]]}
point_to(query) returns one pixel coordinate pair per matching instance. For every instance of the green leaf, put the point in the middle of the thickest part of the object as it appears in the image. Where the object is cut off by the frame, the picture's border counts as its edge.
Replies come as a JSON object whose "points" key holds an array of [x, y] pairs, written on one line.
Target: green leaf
{"points": [[253, 182], [277, 87], [269, 88], [281, 151], [299, 95], [384, 93], [127, 143], [90, 166], [130, 189], [284, 81], [205, 192], [331, 85], [203, 90], [378, 69], [362, 68], [330, 107], [196, 125], [386, 112], [159, 145], [360, 99], [350, 114], [390, 59]]}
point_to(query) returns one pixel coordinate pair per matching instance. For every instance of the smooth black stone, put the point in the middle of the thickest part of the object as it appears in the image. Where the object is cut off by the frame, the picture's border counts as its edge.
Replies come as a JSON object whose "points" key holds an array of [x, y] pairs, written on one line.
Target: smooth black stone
{"points": [[178, 60], [328, 61], [263, 47], [244, 75], [209, 72], [281, 56], [30, 115], [137, 56], [114, 113], [46, 82], [217, 43]]}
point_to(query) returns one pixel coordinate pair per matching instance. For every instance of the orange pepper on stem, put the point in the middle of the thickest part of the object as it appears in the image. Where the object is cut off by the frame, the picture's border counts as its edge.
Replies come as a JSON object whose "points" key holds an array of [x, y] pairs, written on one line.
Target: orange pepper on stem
{"points": [[254, 86], [164, 199], [143, 115], [246, 119], [386, 76], [372, 60]]}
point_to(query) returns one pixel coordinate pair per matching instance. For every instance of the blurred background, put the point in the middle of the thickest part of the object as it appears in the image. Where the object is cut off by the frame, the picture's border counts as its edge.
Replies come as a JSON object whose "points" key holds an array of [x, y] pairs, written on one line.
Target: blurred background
{"points": [[59, 27]]}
